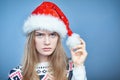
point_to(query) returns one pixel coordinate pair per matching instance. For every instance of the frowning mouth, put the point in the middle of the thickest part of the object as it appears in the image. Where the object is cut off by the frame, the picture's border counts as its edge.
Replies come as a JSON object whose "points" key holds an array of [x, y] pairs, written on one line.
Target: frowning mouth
{"points": [[46, 49]]}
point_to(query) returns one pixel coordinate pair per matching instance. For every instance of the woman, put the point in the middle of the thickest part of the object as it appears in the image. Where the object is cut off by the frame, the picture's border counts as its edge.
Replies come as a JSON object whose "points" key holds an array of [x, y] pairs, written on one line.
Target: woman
{"points": [[44, 56]]}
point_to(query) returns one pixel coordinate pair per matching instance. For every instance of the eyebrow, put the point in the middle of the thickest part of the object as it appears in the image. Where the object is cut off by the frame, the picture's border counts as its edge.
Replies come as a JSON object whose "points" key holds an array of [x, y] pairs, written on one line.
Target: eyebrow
{"points": [[38, 32], [43, 32], [53, 33]]}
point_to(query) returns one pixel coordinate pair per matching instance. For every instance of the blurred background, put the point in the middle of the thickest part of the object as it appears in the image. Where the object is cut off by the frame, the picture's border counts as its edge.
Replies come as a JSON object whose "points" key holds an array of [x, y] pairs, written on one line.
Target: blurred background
{"points": [[97, 22]]}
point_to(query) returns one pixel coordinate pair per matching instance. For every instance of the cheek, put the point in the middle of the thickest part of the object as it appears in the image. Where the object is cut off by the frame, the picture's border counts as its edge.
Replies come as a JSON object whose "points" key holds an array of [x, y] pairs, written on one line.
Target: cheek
{"points": [[38, 45], [54, 43]]}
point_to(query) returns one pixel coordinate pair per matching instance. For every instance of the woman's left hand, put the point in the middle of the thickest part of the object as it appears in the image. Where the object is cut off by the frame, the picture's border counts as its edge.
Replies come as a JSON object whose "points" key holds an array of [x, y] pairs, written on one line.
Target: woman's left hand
{"points": [[79, 53]]}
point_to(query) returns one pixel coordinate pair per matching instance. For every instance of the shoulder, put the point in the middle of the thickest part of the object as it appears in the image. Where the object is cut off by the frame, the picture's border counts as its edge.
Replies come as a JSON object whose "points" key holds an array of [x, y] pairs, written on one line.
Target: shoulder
{"points": [[15, 73]]}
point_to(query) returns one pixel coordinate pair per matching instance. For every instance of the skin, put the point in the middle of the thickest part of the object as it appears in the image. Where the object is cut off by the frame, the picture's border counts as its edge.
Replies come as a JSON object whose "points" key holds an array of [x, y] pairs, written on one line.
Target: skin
{"points": [[79, 53], [45, 42]]}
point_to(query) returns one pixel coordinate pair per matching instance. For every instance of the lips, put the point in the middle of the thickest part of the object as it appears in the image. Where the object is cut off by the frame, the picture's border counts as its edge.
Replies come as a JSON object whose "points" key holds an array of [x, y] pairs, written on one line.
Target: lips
{"points": [[46, 49]]}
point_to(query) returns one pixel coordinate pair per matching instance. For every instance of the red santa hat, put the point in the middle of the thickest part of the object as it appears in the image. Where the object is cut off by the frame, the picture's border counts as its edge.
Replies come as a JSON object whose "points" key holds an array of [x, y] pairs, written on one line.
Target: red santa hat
{"points": [[48, 16]]}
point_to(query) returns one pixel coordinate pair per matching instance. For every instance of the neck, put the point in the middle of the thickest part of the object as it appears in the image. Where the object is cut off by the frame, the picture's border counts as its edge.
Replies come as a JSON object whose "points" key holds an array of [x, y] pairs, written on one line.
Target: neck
{"points": [[43, 58]]}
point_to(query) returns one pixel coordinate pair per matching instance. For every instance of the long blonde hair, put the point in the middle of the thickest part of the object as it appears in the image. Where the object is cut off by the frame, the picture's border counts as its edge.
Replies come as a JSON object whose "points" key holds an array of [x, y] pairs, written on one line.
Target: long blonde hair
{"points": [[58, 60]]}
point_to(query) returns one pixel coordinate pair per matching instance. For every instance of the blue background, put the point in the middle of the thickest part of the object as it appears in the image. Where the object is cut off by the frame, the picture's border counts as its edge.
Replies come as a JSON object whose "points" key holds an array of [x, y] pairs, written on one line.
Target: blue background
{"points": [[97, 22]]}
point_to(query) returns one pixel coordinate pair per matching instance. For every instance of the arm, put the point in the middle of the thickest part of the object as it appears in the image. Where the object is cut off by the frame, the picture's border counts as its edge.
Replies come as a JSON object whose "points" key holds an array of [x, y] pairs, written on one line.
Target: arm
{"points": [[79, 55]]}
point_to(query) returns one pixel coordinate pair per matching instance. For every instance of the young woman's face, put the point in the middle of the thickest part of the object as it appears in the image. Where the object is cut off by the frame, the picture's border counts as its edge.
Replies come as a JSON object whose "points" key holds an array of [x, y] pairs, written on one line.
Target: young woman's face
{"points": [[45, 42]]}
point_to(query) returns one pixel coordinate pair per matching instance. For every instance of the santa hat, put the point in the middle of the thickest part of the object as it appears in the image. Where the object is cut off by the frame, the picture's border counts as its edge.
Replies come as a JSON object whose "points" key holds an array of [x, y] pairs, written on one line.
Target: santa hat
{"points": [[48, 16]]}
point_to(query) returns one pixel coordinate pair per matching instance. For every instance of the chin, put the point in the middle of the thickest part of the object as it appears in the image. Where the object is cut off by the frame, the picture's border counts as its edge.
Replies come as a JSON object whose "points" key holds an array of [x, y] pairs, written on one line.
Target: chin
{"points": [[47, 53]]}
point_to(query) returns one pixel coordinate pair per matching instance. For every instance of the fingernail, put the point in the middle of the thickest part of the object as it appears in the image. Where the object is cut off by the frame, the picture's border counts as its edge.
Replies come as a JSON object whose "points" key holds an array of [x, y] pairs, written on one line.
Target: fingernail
{"points": [[74, 50]]}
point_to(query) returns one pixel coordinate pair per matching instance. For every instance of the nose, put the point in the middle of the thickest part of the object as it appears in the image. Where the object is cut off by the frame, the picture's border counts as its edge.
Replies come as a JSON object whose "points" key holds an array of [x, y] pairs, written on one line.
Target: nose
{"points": [[47, 40]]}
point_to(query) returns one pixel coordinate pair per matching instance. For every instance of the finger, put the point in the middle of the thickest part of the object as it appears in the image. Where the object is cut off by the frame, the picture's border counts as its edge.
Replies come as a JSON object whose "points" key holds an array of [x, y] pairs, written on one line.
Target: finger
{"points": [[77, 48], [79, 52], [82, 42]]}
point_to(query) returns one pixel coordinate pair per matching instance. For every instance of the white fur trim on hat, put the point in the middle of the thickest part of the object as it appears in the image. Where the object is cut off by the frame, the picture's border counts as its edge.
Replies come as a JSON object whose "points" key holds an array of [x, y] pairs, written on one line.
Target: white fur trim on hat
{"points": [[73, 40], [45, 22]]}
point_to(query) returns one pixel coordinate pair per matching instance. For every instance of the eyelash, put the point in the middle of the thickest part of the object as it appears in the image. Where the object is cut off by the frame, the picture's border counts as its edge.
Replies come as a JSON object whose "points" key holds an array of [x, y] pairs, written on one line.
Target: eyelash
{"points": [[53, 34], [40, 35]]}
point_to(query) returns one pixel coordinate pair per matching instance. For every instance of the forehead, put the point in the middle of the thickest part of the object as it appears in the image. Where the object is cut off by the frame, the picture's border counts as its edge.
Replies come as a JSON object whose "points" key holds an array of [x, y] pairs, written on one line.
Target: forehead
{"points": [[43, 31]]}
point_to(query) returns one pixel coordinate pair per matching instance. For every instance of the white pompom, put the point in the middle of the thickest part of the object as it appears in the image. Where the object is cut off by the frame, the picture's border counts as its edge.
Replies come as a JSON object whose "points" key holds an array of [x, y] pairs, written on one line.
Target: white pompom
{"points": [[73, 40]]}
